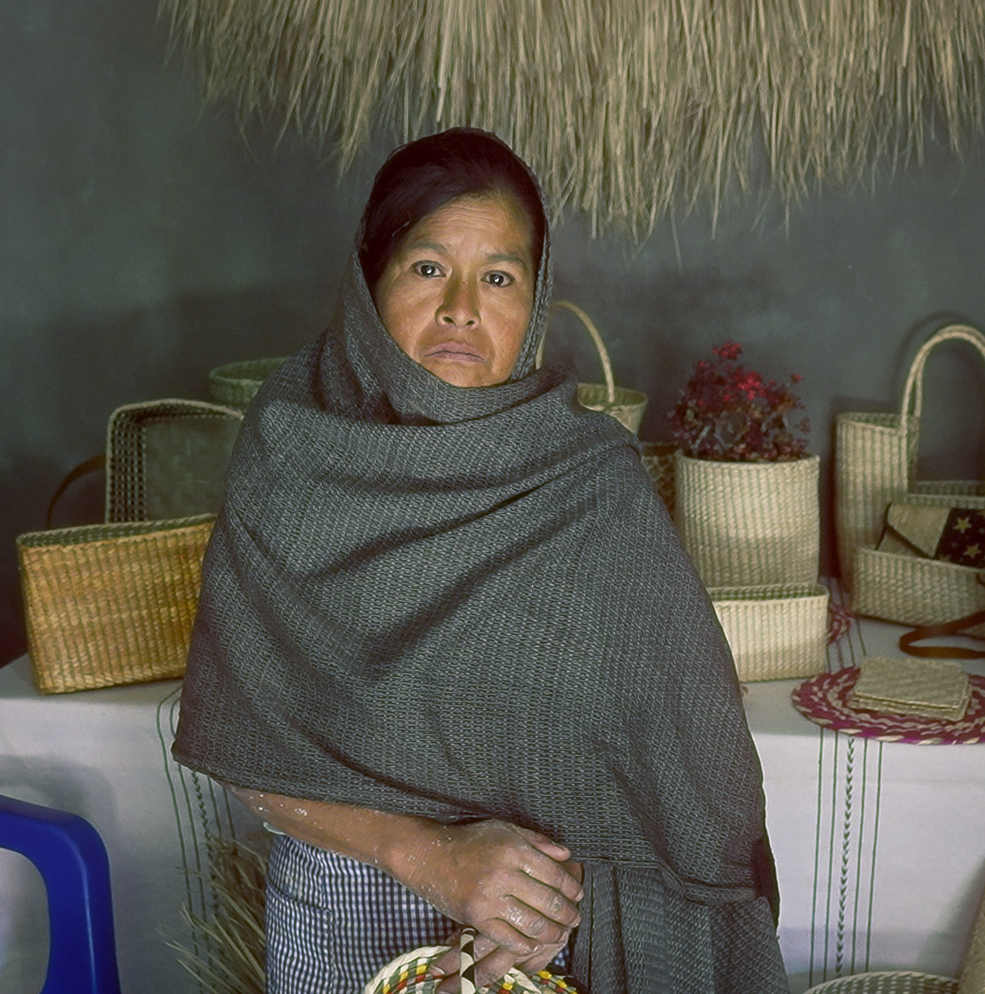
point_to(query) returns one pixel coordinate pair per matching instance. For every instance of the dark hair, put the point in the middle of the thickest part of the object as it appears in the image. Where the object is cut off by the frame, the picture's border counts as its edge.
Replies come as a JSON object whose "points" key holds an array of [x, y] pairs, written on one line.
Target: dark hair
{"points": [[426, 174]]}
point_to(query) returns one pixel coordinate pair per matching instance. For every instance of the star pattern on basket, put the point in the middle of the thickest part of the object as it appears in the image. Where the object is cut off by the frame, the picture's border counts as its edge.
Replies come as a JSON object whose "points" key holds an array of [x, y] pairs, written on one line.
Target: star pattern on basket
{"points": [[963, 539]]}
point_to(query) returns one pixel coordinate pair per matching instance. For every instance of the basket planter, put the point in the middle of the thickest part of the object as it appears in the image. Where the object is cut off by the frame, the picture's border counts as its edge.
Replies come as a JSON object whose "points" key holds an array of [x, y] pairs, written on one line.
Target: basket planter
{"points": [[750, 523], [774, 632]]}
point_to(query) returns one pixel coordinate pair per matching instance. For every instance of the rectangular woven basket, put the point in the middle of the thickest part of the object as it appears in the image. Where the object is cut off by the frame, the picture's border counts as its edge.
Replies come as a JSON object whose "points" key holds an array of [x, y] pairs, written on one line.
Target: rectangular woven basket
{"points": [[167, 458], [111, 604], [911, 590], [775, 632]]}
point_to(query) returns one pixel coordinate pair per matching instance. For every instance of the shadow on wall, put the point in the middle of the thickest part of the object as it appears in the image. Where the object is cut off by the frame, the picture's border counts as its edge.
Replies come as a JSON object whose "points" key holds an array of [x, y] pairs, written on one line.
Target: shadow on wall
{"points": [[685, 314], [59, 392]]}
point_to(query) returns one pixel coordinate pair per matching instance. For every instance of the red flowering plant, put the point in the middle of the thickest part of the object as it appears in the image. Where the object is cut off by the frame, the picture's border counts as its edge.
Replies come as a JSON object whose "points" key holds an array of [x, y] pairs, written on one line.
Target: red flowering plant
{"points": [[728, 413]]}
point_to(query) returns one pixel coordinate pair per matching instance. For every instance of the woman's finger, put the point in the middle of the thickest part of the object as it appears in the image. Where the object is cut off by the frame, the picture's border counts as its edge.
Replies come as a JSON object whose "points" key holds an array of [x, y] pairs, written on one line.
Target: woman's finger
{"points": [[547, 846]]}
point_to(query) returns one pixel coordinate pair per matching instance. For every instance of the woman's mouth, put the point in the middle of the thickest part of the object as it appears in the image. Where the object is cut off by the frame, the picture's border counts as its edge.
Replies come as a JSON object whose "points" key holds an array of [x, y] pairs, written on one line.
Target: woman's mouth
{"points": [[453, 352]]}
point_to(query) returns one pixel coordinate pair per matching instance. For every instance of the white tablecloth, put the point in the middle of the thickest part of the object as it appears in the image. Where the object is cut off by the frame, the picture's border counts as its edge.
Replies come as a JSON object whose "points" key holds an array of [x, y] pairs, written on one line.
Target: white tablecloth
{"points": [[880, 847]]}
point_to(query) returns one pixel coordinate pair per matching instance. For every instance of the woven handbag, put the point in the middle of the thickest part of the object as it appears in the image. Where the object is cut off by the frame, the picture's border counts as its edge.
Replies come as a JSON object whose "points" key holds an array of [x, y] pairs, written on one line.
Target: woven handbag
{"points": [[625, 405], [875, 459], [111, 604], [774, 632], [911, 589], [234, 384], [167, 459], [408, 974]]}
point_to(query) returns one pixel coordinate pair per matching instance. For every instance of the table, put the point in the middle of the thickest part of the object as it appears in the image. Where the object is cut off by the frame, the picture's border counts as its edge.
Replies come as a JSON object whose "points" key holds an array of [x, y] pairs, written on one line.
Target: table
{"points": [[880, 847]]}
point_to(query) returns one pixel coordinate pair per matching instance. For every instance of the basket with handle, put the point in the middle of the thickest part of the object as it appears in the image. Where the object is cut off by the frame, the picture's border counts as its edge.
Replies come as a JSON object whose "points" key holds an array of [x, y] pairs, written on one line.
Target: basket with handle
{"points": [[625, 405], [876, 454], [876, 461], [408, 974]]}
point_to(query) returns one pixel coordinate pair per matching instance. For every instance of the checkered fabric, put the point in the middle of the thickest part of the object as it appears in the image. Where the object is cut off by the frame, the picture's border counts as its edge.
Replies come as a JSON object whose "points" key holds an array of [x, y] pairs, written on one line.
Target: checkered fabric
{"points": [[333, 923]]}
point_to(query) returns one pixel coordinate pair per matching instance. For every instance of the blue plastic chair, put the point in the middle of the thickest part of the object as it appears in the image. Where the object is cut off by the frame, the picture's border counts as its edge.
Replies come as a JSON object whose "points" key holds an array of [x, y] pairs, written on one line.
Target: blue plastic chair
{"points": [[71, 858]]}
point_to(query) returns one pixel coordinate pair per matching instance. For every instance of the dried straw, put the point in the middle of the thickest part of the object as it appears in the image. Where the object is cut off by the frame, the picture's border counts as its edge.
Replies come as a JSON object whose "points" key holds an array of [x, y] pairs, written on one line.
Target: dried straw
{"points": [[227, 955], [626, 109]]}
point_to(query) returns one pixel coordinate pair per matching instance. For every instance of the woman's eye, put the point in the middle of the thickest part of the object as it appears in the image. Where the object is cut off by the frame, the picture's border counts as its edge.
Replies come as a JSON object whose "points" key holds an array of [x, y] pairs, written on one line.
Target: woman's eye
{"points": [[499, 279], [427, 269]]}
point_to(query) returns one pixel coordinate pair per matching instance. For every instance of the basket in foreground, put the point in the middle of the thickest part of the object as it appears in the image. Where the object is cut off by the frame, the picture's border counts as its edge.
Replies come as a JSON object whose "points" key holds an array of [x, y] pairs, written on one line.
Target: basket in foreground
{"points": [[111, 604], [774, 632]]}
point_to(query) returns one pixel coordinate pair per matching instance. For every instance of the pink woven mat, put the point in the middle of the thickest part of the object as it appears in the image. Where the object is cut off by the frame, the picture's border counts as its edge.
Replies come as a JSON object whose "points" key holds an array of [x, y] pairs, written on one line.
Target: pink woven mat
{"points": [[824, 700]]}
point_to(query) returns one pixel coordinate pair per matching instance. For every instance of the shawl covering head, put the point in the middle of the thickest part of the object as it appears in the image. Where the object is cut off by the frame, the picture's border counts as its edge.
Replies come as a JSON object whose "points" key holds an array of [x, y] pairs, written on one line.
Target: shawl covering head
{"points": [[469, 603]]}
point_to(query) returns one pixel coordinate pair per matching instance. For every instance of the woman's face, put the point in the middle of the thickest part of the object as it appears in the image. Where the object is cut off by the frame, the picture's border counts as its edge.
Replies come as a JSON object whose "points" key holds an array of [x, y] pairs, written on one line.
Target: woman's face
{"points": [[456, 296]]}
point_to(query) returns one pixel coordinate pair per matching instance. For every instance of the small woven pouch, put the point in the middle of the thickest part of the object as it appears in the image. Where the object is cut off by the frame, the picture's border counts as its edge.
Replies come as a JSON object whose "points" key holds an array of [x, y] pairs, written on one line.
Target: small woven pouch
{"points": [[928, 688], [409, 973]]}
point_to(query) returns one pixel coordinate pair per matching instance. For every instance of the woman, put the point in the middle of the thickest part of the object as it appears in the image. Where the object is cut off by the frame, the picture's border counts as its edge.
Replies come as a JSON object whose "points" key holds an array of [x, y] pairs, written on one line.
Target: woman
{"points": [[448, 642]]}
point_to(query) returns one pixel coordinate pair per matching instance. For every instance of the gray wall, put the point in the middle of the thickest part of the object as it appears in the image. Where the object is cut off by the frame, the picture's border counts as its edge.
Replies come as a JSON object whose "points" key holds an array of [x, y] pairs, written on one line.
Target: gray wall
{"points": [[144, 241]]}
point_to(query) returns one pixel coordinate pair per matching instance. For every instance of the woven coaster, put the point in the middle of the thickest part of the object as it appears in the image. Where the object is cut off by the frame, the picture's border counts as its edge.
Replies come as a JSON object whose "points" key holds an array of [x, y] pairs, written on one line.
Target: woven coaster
{"points": [[933, 688], [824, 700]]}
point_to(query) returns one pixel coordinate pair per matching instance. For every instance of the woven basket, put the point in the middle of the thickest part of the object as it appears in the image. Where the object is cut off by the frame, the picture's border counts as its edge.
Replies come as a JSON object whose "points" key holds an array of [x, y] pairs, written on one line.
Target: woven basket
{"points": [[911, 590], [876, 454], [888, 982], [750, 523], [408, 974], [111, 604], [774, 632], [659, 459], [235, 384], [167, 459], [625, 405]]}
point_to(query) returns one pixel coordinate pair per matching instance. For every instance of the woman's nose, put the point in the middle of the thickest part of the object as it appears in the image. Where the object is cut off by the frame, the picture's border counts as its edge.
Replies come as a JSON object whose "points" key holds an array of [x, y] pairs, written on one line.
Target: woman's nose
{"points": [[459, 306]]}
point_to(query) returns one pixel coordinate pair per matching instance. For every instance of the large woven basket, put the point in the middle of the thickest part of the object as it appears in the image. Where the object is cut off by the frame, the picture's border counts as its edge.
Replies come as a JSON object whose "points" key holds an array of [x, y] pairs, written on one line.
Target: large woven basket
{"points": [[111, 604], [235, 384], [167, 459], [750, 523], [876, 456], [625, 405], [774, 632]]}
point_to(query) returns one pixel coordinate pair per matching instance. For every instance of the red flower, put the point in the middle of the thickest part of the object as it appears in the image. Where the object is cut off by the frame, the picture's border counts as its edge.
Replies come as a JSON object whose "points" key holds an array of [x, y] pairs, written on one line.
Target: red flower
{"points": [[728, 413]]}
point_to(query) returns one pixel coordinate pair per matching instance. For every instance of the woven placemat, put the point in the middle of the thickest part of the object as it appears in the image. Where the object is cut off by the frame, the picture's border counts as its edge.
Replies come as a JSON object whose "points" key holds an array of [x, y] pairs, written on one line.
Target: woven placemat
{"points": [[932, 688], [824, 700]]}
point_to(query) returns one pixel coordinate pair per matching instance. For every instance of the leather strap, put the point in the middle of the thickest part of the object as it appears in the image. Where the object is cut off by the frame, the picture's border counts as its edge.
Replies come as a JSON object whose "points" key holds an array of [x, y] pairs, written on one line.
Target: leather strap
{"points": [[955, 627], [83, 469]]}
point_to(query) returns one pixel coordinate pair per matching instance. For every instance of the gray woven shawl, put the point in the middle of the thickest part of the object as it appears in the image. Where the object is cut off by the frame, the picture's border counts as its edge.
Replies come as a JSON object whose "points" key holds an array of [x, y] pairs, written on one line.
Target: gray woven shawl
{"points": [[468, 603]]}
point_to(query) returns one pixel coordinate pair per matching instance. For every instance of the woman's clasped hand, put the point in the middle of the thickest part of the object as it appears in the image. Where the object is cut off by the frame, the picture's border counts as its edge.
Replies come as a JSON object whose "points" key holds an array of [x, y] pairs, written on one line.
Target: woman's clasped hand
{"points": [[519, 889]]}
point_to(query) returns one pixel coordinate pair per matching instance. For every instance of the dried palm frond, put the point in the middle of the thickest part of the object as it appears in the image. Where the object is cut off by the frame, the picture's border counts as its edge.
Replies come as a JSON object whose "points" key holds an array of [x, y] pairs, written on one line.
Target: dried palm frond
{"points": [[626, 109], [227, 954]]}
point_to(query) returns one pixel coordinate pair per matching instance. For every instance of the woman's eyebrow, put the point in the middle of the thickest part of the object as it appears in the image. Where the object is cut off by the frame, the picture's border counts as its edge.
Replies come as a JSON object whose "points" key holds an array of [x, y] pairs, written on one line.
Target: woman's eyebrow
{"points": [[508, 257]]}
